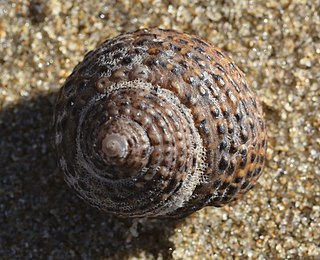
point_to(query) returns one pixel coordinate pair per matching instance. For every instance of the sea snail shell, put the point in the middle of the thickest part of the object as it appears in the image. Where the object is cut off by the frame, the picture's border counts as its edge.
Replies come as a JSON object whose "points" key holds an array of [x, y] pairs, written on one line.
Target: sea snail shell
{"points": [[157, 123]]}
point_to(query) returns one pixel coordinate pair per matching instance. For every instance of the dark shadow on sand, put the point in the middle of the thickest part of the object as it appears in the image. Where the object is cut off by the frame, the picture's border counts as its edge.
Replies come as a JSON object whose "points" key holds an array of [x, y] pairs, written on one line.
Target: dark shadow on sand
{"points": [[41, 217]]}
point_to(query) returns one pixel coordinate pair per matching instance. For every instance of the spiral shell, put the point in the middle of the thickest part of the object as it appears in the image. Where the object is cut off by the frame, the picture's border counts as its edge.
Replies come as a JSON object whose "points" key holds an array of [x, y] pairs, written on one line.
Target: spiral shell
{"points": [[157, 123]]}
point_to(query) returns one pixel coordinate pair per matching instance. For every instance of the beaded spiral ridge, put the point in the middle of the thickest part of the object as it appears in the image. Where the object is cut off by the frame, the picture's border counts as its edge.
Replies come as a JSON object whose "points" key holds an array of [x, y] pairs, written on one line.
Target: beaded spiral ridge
{"points": [[157, 123]]}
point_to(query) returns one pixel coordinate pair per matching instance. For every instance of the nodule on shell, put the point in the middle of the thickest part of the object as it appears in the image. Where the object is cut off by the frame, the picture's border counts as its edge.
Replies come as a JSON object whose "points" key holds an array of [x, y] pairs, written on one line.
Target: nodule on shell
{"points": [[157, 123]]}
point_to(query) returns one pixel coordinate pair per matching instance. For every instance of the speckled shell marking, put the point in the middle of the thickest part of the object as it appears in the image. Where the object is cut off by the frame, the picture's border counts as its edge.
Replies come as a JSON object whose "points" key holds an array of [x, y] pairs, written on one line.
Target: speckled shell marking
{"points": [[158, 123]]}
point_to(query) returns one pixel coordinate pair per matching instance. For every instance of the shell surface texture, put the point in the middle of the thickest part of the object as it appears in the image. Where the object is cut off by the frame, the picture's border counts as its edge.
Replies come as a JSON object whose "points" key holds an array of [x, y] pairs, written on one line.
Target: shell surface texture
{"points": [[157, 123]]}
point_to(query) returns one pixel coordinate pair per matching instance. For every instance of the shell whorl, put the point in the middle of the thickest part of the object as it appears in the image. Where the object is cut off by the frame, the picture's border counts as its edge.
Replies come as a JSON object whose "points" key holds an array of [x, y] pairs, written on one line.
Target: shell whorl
{"points": [[158, 123]]}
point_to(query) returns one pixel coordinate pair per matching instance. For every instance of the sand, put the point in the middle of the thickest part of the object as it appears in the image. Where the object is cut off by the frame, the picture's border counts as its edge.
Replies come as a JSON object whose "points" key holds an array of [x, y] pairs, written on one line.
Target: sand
{"points": [[276, 43]]}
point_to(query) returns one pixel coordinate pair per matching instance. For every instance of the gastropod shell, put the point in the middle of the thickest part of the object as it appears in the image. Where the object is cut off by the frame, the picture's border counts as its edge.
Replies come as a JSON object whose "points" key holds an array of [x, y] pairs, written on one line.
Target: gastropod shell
{"points": [[157, 123]]}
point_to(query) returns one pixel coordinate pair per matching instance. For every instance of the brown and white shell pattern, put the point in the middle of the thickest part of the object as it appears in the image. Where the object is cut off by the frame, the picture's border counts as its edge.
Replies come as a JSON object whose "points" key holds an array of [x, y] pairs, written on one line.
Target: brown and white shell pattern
{"points": [[158, 123]]}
